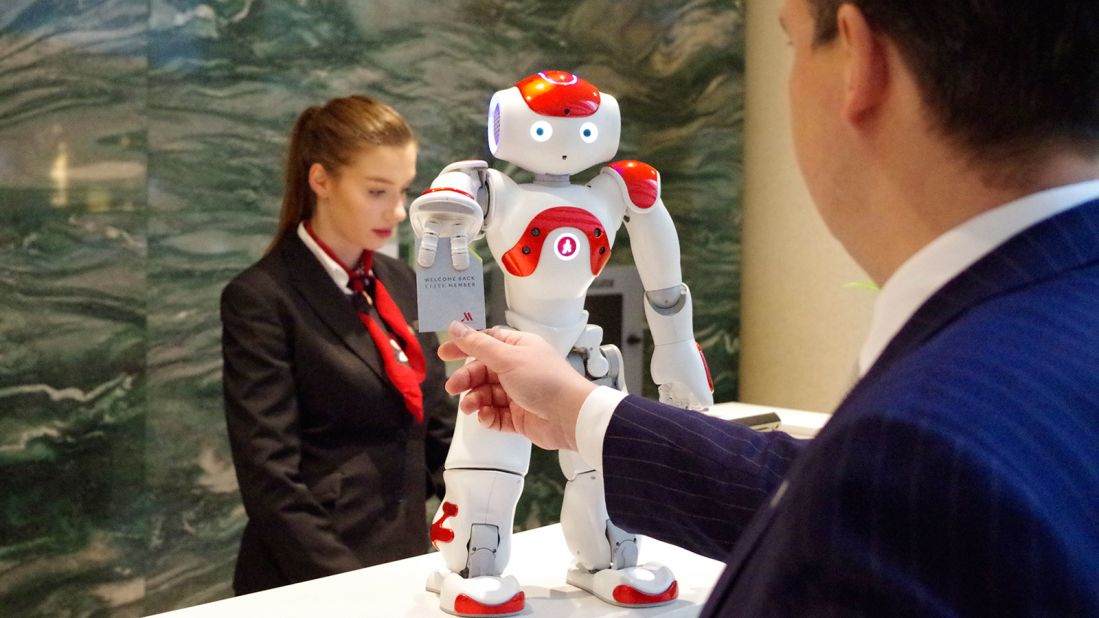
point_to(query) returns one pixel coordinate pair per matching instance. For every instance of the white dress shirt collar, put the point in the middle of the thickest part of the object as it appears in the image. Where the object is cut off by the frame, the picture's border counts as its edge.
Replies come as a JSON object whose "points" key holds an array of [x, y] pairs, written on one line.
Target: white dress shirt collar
{"points": [[944, 258], [334, 268]]}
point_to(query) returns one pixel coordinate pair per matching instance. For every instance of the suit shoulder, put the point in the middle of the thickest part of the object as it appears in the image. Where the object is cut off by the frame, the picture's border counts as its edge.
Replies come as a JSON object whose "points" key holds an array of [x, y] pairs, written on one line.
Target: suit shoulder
{"points": [[1025, 334], [1013, 368], [258, 279]]}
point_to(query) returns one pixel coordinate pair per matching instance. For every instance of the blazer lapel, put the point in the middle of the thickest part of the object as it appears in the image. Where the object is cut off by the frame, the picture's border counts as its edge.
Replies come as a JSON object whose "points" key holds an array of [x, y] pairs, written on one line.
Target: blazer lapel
{"points": [[329, 303], [1061, 243]]}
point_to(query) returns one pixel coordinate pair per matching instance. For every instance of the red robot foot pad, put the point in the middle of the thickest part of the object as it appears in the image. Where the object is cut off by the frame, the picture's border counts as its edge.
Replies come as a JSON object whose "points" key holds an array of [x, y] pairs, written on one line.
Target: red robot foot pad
{"points": [[466, 606], [627, 595]]}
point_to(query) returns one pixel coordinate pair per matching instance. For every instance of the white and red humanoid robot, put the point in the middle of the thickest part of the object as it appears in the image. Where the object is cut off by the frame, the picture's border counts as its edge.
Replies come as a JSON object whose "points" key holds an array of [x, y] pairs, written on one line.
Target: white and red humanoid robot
{"points": [[552, 239]]}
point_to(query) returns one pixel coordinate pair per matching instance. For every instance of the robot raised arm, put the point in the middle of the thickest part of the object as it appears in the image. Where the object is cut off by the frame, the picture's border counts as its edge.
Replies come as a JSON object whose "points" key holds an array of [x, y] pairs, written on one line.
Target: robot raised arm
{"points": [[678, 366], [454, 207]]}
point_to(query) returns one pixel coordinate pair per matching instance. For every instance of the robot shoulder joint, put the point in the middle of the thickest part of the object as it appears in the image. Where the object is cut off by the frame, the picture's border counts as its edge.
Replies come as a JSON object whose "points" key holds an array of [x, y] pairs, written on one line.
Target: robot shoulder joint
{"points": [[638, 181], [469, 166]]}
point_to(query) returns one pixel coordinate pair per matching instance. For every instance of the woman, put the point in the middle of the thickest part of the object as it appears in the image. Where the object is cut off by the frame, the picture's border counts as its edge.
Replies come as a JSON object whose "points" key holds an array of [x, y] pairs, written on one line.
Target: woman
{"points": [[338, 421]]}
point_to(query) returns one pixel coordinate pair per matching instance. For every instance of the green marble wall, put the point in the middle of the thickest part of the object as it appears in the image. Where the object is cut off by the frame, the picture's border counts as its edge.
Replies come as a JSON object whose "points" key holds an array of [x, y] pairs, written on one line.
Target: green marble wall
{"points": [[140, 143]]}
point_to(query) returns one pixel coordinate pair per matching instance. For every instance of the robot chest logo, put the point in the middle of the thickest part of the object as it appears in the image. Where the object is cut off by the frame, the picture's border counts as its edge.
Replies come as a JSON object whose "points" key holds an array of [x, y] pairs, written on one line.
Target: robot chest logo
{"points": [[567, 246]]}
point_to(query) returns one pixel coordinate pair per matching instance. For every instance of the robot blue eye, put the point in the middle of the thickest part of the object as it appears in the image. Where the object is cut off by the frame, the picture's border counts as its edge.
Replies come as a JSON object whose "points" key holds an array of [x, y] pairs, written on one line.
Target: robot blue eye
{"points": [[589, 132], [541, 131]]}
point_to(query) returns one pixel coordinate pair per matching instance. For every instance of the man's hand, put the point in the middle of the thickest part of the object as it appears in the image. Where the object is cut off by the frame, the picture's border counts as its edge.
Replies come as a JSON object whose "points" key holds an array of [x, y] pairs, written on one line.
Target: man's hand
{"points": [[517, 382]]}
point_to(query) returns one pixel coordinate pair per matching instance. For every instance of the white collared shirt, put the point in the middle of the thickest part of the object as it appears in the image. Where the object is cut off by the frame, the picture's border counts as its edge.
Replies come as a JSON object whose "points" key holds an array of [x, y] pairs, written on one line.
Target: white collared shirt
{"points": [[334, 268], [923, 274]]}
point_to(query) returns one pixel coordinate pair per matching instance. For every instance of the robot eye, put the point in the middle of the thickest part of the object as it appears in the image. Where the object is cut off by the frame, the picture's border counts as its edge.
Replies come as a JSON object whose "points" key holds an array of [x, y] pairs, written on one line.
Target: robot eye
{"points": [[589, 132], [541, 131]]}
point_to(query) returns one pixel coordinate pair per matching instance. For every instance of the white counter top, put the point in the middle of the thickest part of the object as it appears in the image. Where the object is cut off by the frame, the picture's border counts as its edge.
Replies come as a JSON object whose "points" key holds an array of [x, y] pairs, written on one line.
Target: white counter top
{"points": [[539, 560]]}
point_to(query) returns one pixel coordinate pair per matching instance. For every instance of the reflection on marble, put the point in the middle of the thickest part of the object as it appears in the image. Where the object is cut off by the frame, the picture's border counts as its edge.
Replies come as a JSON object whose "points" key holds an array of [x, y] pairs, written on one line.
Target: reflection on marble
{"points": [[140, 143]]}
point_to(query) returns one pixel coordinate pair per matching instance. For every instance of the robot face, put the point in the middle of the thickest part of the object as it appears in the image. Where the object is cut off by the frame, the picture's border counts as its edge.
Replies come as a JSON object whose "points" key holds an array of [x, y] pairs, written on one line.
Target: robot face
{"points": [[553, 123]]}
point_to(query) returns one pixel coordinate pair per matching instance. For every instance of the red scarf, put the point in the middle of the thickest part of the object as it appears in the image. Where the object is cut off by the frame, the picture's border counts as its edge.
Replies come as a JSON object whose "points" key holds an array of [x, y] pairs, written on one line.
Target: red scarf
{"points": [[405, 377]]}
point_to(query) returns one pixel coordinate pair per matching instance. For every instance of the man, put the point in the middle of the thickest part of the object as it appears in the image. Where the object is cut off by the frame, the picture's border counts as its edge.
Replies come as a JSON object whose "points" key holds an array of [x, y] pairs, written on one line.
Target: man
{"points": [[952, 146]]}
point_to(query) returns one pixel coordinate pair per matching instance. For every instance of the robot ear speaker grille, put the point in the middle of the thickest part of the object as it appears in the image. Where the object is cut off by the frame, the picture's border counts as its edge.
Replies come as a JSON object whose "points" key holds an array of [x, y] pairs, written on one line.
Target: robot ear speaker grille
{"points": [[496, 125]]}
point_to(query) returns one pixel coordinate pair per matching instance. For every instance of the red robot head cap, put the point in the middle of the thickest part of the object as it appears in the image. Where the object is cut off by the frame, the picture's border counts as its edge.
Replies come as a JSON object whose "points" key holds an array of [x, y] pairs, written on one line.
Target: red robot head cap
{"points": [[559, 93]]}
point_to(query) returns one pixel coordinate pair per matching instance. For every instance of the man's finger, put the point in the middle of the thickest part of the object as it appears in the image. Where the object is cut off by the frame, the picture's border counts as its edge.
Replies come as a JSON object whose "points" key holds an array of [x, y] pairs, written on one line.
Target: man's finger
{"points": [[449, 351], [470, 402], [488, 417], [458, 382], [499, 396], [470, 375], [479, 397], [487, 348], [475, 399]]}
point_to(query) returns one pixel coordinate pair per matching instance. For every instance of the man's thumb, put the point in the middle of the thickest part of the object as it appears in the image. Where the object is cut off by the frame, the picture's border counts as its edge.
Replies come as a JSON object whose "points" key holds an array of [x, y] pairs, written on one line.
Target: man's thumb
{"points": [[481, 346]]}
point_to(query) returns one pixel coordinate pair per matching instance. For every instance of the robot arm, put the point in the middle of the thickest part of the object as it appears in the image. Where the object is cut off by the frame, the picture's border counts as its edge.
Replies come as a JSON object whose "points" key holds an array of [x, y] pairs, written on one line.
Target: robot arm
{"points": [[678, 366], [454, 207]]}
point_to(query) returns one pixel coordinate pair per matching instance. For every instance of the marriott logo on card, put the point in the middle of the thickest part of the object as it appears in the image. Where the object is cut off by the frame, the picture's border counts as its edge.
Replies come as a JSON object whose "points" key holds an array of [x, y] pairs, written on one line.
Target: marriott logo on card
{"points": [[467, 317]]}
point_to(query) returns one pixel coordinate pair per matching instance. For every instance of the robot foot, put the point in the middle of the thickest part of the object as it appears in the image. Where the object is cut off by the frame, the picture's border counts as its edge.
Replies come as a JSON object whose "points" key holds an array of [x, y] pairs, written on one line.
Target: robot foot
{"points": [[487, 595], [640, 586]]}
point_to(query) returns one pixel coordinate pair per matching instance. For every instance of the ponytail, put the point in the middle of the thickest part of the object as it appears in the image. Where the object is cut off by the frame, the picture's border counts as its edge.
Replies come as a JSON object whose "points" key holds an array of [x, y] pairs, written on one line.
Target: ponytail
{"points": [[298, 201]]}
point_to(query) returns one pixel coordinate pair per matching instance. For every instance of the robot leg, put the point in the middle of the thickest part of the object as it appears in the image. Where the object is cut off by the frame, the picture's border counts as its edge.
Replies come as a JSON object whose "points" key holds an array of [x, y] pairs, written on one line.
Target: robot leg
{"points": [[606, 555], [472, 528]]}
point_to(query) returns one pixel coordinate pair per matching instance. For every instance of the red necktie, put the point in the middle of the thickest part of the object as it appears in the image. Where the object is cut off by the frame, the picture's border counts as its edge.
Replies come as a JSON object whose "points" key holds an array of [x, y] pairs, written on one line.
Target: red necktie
{"points": [[405, 377]]}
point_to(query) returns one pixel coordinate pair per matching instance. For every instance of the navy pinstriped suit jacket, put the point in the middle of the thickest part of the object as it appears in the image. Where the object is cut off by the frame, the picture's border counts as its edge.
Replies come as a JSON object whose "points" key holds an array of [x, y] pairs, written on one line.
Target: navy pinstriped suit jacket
{"points": [[960, 476]]}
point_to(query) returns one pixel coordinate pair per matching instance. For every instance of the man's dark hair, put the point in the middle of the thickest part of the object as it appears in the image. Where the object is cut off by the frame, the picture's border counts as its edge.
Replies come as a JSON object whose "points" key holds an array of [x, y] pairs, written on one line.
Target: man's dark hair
{"points": [[1002, 77]]}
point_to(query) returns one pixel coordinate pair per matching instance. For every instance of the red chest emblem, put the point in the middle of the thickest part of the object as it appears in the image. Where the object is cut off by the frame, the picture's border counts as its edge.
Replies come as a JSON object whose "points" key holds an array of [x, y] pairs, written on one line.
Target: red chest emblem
{"points": [[522, 259], [567, 246]]}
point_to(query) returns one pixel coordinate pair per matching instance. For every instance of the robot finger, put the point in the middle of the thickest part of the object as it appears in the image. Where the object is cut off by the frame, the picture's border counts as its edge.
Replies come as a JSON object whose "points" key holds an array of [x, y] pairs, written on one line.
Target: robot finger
{"points": [[429, 244], [459, 251]]}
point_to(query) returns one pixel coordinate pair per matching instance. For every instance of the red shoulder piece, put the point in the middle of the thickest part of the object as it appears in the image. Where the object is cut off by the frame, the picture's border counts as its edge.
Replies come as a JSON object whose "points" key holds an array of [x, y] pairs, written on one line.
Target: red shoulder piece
{"points": [[558, 93], [642, 182]]}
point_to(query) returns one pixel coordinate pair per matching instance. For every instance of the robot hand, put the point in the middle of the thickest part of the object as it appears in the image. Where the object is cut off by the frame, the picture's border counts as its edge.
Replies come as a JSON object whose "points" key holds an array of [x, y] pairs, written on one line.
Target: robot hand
{"points": [[680, 372], [449, 209]]}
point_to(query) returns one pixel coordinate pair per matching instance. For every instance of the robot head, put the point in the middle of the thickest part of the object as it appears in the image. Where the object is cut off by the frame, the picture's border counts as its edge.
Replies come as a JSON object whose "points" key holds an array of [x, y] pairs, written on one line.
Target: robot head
{"points": [[553, 122]]}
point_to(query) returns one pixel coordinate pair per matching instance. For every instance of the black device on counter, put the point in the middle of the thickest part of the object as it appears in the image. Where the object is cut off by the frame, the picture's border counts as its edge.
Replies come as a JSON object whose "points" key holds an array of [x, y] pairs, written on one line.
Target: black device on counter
{"points": [[768, 421]]}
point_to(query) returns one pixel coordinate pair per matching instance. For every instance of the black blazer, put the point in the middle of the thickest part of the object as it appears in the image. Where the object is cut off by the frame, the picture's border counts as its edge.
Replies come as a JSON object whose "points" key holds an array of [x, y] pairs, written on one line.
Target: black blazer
{"points": [[333, 470]]}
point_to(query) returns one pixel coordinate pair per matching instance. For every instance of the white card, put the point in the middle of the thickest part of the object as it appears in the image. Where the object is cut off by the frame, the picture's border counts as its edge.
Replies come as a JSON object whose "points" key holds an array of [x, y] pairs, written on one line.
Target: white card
{"points": [[445, 294]]}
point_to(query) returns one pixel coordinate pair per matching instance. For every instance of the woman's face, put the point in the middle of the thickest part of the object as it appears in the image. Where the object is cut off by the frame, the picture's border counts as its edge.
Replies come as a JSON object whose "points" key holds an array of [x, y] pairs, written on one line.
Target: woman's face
{"points": [[360, 204]]}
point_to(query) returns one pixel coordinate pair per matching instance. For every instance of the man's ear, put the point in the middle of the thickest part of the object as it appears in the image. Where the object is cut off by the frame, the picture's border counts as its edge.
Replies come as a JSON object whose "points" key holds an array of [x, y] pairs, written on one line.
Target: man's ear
{"points": [[319, 181], [867, 70]]}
